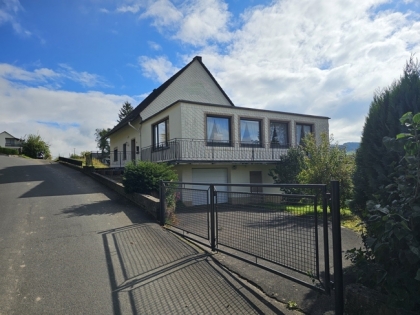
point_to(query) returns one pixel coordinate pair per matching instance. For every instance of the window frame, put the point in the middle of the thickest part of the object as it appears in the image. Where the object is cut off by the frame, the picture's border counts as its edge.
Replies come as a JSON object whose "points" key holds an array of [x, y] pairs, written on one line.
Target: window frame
{"points": [[221, 143], [155, 128], [260, 130], [116, 154], [302, 124], [279, 145]]}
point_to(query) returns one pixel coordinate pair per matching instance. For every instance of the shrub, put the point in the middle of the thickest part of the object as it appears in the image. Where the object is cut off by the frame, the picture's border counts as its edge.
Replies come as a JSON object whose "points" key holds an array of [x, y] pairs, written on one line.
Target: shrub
{"points": [[9, 151], [144, 177], [33, 145]]}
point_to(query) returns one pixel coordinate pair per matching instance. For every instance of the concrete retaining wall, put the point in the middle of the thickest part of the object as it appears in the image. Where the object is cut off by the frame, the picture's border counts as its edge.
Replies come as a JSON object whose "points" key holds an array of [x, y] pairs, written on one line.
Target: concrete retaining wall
{"points": [[148, 203]]}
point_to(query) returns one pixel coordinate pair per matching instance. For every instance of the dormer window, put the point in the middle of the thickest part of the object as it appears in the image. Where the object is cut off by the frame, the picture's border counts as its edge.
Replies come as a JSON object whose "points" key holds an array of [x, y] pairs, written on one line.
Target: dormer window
{"points": [[218, 130]]}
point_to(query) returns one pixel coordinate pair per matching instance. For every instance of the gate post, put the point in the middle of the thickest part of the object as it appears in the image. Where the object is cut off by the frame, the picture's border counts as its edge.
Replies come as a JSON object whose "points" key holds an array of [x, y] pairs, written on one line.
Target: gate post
{"points": [[162, 208], [336, 235], [212, 219]]}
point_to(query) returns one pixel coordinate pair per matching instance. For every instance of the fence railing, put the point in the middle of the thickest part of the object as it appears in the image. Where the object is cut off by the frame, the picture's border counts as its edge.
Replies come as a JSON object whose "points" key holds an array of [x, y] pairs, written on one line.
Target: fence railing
{"points": [[286, 229], [191, 150]]}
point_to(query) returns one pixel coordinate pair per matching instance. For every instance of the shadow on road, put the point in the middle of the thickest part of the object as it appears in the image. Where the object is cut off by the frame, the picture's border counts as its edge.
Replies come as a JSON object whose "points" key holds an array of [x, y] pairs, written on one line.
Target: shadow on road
{"points": [[160, 274]]}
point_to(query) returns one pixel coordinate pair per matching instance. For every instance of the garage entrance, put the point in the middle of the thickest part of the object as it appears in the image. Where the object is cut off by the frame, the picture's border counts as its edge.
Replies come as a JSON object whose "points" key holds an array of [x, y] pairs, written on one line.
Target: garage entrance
{"points": [[209, 175]]}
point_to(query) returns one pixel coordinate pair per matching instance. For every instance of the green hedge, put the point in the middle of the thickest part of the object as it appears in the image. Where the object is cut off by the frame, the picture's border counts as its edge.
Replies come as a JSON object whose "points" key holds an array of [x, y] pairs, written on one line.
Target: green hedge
{"points": [[144, 177], [9, 151]]}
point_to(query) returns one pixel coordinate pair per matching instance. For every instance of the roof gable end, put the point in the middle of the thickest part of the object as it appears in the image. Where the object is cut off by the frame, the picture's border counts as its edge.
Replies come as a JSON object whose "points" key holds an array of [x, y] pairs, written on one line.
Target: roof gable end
{"points": [[177, 87]]}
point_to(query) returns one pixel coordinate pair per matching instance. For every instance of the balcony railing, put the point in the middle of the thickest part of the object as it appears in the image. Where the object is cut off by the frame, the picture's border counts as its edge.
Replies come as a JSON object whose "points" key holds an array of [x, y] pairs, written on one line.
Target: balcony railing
{"points": [[193, 150]]}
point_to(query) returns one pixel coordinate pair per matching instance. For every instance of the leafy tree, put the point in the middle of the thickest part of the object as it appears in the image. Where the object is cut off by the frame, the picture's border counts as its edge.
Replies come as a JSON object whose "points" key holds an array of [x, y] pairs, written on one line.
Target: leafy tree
{"points": [[325, 162], [373, 160], [34, 145], [288, 167], [315, 163], [102, 142], [392, 257], [124, 111]]}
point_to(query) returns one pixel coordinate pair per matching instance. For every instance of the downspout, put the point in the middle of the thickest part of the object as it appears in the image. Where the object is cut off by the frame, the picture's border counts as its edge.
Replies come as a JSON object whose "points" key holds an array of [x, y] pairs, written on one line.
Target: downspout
{"points": [[139, 130]]}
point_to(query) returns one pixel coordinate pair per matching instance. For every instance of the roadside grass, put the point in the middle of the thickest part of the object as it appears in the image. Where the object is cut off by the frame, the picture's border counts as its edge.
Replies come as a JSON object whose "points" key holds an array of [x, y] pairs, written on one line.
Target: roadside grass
{"points": [[348, 219], [96, 163]]}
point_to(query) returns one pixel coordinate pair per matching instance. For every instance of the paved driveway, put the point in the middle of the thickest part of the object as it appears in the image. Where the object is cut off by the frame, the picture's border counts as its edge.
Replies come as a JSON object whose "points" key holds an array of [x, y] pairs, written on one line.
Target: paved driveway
{"points": [[68, 245]]}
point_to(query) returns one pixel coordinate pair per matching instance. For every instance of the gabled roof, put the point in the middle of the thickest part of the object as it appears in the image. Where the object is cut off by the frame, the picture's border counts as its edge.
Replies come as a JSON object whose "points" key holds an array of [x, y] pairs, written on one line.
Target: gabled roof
{"points": [[156, 92], [9, 135]]}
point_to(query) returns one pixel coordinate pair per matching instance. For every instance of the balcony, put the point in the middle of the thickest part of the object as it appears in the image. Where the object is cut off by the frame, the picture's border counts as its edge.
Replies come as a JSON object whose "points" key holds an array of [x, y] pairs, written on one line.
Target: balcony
{"points": [[13, 143], [202, 151]]}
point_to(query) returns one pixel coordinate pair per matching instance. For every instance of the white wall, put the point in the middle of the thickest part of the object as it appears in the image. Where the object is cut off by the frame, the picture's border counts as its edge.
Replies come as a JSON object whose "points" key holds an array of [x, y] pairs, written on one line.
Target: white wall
{"points": [[124, 135], [194, 84], [194, 121]]}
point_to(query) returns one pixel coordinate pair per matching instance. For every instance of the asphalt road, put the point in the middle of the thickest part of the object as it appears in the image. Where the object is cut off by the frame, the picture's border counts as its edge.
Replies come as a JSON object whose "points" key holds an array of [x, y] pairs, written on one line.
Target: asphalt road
{"points": [[52, 255]]}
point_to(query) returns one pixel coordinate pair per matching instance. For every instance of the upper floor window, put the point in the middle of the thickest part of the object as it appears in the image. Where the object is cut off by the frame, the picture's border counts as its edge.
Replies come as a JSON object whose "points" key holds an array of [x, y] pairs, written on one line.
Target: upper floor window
{"points": [[115, 154], [279, 135], [301, 131], [161, 134], [218, 130], [250, 132]]}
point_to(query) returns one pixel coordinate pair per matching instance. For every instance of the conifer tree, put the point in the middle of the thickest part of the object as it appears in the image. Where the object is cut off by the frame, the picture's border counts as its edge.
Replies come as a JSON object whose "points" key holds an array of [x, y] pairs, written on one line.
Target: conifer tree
{"points": [[373, 162], [124, 111]]}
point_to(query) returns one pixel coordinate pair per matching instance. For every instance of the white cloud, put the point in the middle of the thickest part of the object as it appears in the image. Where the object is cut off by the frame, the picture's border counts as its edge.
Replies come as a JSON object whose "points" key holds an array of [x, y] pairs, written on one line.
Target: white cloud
{"points": [[154, 45], [9, 9], [43, 75], [66, 120], [195, 22], [322, 58], [159, 68]]}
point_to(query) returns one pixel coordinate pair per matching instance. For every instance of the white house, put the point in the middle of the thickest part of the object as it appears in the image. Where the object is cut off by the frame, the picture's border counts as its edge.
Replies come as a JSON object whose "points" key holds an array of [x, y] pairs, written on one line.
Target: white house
{"points": [[189, 121], [10, 142]]}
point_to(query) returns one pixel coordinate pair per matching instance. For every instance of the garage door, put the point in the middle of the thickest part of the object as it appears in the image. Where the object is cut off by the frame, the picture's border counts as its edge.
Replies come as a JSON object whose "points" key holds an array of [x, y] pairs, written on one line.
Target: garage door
{"points": [[210, 176]]}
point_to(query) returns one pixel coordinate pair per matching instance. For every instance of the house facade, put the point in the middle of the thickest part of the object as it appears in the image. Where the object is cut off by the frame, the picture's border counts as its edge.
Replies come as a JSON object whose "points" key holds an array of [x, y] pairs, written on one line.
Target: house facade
{"points": [[190, 122], [10, 142]]}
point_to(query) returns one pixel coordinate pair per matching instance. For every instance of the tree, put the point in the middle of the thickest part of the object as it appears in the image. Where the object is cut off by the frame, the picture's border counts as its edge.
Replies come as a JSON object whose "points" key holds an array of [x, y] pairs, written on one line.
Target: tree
{"points": [[288, 167], [102, 141], [33, 145], [392, 258], [325, 162], [373, 160], [124, 111]]}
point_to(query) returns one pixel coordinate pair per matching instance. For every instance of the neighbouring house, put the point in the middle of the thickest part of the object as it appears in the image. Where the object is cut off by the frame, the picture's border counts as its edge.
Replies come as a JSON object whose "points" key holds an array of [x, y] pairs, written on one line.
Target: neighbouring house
{"points": [[190, 122], [8, 141]]}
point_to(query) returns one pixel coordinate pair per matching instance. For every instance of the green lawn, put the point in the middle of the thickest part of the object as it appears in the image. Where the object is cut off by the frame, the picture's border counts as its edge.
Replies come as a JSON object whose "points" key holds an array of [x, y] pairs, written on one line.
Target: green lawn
{"points": [[348, 219]]}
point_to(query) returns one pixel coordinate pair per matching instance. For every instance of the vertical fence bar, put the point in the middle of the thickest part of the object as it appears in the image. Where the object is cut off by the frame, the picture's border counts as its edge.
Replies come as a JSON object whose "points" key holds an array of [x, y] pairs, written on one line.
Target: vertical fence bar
{"points": [[212, 219], [162, 207], [336, 232], [326, 245]]}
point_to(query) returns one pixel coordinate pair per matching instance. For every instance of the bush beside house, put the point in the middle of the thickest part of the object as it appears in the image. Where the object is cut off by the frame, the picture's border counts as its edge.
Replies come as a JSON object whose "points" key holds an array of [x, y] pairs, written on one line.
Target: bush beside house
{"points": [[144, 177], [9, 151]]}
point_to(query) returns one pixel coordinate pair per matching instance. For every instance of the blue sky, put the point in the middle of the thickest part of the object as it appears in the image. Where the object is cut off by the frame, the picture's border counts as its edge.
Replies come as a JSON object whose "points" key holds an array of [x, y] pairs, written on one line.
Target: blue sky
{"points": [[66, 67]]}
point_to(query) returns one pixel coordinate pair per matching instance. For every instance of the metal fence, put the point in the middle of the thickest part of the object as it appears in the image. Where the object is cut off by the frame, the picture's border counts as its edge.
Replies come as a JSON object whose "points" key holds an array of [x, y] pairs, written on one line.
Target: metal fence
{"points": [[177, 150], [285, 226]]}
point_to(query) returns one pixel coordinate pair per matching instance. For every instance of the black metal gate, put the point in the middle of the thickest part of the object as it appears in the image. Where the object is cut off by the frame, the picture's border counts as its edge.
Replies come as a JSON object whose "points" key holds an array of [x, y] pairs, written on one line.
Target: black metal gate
{"points": [[283, 229]]}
